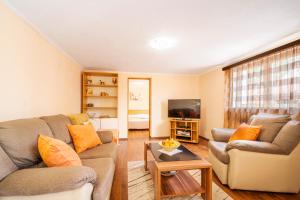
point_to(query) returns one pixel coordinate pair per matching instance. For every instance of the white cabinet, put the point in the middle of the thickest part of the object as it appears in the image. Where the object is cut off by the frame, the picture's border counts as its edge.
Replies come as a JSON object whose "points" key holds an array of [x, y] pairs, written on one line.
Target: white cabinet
{"points": [[109, 123], [96, 123], [105, 123]]}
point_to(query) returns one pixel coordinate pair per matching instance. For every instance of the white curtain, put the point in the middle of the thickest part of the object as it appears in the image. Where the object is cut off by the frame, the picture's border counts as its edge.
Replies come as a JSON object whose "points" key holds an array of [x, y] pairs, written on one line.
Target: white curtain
{"points": [[268, 84]]}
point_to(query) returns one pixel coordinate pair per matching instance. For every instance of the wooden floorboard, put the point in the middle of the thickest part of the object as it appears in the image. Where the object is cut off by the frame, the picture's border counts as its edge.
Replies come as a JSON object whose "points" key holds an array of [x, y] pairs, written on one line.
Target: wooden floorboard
{"points": [[132, 150]]}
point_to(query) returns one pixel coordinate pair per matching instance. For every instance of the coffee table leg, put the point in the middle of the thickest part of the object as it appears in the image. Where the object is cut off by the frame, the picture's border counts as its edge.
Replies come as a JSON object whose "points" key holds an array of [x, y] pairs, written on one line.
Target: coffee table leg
{"points": [[203, 182], [157, 187], [206, 182], [209, 183], [145, 156]]}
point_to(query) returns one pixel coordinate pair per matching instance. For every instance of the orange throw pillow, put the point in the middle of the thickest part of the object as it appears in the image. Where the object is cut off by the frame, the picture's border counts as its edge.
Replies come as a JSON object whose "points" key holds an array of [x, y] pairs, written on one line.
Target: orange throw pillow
{"points": [[246, 132], [56, 153], [84, 137]]}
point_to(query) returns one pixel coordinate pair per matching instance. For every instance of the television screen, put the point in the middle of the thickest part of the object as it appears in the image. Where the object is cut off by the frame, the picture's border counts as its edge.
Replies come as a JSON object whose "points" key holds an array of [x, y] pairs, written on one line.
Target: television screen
{"points": [[184, 108]]}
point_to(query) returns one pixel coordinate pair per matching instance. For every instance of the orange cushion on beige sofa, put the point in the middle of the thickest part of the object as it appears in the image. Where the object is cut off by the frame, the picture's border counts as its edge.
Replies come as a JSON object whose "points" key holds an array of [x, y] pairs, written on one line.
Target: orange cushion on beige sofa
{"points": [[56, 153], [246, 132], [84, 137]]}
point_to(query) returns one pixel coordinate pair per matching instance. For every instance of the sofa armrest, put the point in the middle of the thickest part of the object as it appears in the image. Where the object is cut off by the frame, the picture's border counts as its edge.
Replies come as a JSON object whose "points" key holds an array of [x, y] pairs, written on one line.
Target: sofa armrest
{"points": [[106, 136], [37, 181], [254, 146], [222, 134]]}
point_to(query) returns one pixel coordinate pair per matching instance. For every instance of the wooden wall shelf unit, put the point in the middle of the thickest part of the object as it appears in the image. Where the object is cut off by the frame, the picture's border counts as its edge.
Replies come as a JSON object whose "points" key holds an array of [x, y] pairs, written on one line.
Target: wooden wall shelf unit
{"points": [[185, 130], [101, 96], [101, 90], [93, 85]]}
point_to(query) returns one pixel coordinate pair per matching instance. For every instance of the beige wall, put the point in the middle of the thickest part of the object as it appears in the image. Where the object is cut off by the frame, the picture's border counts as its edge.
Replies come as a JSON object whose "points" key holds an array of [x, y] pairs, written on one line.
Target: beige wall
{"points": [[211, 88], [164, 87], [36, 78]]}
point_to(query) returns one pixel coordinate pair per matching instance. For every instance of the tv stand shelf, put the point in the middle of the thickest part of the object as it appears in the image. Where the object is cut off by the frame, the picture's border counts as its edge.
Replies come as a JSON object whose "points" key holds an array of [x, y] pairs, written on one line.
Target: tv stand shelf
{"points": [[185, 130]]}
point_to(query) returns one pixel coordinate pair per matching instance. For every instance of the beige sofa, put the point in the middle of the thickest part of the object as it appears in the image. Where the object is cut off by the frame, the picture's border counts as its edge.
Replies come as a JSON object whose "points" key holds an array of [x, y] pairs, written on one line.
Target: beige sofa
{"points": [[270, 164], [23, 175]]}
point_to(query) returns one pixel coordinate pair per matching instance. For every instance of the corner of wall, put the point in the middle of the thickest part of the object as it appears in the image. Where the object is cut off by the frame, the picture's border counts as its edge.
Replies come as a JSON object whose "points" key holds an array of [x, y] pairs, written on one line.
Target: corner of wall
{"points": [[211, 88]]}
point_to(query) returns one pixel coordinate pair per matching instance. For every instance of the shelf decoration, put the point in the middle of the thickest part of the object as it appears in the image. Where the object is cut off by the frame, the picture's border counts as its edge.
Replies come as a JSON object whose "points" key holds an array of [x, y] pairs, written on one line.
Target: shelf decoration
{"points": [[101, 82], [89, 82], [89, 92], [114, 80], [90, 105], [91, 114], [104, 94]]}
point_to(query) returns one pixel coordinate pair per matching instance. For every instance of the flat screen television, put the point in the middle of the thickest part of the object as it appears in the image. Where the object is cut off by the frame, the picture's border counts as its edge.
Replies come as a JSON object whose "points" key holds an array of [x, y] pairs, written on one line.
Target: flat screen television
{"points": [[184, 108]]}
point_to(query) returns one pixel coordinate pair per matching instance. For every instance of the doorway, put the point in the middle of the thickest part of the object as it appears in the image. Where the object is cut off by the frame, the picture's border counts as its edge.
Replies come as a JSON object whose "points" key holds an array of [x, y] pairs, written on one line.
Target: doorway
{"points": [[139, 108]]}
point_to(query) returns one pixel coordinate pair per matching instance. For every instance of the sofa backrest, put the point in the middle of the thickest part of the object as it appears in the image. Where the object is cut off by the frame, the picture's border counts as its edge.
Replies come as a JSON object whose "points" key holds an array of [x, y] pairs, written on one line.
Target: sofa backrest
{"points": [[58, 125], [6, 165], [271, 125], [289, 136], [18, 138], [266, 115]]}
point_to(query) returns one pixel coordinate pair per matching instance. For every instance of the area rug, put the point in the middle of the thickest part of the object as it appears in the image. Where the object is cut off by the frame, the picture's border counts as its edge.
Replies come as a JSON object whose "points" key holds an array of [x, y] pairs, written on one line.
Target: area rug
{"points": [[140, 185]]}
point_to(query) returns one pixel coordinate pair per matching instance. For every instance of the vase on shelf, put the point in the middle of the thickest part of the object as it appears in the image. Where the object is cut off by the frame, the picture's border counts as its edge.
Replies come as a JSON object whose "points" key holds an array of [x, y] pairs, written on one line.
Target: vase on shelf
{"points": [[114, 80]]}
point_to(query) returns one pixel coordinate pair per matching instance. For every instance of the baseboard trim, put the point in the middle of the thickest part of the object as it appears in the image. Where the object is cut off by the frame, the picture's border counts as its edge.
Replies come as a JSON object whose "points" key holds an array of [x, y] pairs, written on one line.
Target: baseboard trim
{"points": [[156, 138], [160, 137], [204, 138]]}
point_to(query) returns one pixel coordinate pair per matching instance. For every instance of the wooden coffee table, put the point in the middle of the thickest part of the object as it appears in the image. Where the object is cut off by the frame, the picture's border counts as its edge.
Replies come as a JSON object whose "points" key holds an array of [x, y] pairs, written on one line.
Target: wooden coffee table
{"points": [[182, 183]]}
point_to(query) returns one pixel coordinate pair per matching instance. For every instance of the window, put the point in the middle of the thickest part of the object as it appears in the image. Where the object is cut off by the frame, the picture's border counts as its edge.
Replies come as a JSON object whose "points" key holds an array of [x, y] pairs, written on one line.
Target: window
{"points": [[268, 83]]}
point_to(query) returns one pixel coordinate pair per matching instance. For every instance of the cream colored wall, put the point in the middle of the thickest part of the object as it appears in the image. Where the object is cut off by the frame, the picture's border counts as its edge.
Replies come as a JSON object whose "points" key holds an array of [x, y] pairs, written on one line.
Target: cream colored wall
{"points": [[164, 87], [36, 78], [211, 88]]}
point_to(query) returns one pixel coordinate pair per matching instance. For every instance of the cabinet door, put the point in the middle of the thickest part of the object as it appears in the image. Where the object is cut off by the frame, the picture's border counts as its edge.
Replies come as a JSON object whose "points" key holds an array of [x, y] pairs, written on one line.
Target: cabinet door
{"points": [[109, 123], [96, 123]]}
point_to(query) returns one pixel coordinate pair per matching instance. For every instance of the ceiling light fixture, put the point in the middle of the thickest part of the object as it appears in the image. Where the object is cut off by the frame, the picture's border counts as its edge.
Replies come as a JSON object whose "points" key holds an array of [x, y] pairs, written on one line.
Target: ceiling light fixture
{"points": [[162, 43]]}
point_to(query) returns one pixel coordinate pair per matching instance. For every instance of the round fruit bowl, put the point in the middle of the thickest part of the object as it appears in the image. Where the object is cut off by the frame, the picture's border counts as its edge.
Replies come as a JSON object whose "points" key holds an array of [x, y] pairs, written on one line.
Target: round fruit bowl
{"points": [[169, 145]]}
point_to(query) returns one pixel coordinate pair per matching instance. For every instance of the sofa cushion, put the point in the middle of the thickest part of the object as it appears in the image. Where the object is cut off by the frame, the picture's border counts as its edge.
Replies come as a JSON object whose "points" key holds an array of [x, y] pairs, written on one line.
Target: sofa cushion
{"points": [[84, 137], [105, 136], [246, 132], [79, 119], [36, 181], [289, 136], [108, 150], [271, 125], [270, 115], [266, 115], [105, 169], [56, 153], [18, 139], [254, 146], [6, 165], [58, 125], [222, 134], [218, 149]]}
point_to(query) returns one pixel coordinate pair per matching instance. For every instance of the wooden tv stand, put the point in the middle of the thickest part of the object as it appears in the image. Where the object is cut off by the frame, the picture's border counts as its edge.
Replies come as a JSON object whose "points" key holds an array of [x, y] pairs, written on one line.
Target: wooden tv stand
{"points": [[185, 130]]}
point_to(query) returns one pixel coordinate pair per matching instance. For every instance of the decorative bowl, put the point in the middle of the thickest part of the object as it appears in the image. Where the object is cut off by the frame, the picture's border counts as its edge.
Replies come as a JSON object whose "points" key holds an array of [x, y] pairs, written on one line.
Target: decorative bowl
{"points": [[169, 145], [91, 114]]}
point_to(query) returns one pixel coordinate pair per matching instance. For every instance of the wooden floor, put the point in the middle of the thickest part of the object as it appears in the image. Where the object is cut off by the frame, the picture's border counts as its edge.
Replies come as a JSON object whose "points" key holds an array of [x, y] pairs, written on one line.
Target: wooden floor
{"points": [[132, 150]]}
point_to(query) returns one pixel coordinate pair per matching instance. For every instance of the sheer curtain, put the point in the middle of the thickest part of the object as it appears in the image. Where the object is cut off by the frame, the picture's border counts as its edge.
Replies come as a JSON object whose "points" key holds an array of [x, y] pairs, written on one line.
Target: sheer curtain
{"points": [[268, 84]]}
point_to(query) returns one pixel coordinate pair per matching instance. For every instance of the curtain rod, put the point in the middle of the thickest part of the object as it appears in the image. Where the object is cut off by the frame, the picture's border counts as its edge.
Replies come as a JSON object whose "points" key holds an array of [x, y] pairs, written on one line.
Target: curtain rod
{"points": [[296, 42]]}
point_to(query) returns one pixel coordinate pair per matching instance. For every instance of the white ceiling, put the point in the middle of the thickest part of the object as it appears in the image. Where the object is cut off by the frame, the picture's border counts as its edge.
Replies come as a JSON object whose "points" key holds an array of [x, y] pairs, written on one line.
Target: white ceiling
{"points": [[115, 34]]}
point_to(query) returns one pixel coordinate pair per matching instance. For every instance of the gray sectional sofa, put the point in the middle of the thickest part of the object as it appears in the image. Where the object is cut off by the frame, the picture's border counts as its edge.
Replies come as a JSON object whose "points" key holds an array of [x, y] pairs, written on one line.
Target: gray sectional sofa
{"points": [[23, 175]]}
